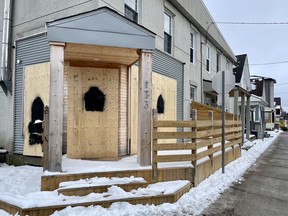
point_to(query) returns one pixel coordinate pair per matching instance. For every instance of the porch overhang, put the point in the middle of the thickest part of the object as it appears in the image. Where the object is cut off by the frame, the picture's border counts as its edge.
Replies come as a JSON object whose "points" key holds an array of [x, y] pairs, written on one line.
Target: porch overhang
{"points": [[101, 27]]}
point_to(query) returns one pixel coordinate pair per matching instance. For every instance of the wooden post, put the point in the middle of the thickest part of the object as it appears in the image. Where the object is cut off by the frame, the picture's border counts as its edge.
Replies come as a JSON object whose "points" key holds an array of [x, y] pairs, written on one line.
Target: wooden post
{"points": [[144, 108], [56, 107], [236, 96], [193, 140], [248, 118], [154, 152], [45, 138], [243, 116], [210, 113]]}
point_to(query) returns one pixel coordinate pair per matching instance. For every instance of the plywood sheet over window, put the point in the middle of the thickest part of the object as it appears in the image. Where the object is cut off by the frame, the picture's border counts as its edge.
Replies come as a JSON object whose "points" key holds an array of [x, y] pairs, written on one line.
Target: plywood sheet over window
{"points": [[161, 84], [92, 134], [36, 84]]}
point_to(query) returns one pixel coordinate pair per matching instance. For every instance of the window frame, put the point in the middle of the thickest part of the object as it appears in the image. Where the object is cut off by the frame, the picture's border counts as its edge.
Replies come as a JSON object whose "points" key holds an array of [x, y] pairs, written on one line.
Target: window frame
{"points": [[168, 35], [218, 61], [194, 92], [208, 58], [192, 47]]}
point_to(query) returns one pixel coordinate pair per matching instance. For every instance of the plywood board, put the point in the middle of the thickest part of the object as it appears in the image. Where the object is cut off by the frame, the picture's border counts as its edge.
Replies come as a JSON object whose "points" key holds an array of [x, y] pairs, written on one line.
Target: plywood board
{"points": [[36, 84], [92, 134], [163, 85]]}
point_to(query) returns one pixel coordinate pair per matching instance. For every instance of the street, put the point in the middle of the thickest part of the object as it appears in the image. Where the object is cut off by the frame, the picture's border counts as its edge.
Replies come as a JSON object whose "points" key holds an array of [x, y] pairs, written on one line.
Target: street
{"points": [[264, 190]]}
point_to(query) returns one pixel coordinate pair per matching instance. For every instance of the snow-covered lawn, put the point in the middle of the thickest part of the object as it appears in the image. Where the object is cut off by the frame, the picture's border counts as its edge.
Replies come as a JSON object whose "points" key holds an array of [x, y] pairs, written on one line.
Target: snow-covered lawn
{"points": [[22, 185]]}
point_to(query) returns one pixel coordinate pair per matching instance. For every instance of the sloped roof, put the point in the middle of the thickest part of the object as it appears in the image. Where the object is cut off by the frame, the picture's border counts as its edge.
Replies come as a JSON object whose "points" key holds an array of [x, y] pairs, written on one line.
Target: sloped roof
{"points": [[238, 70], [103, 27]]}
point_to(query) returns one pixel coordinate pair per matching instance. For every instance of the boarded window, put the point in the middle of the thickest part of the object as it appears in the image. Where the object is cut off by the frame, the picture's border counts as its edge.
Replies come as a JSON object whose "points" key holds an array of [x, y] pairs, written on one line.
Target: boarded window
{"points": [[35, 127], [94, 100], [160, 104]]}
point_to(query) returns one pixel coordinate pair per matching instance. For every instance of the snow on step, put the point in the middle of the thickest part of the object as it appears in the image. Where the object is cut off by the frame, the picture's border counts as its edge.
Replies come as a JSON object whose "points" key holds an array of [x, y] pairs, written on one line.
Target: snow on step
{"points": [[100, 181], [52, 198]]}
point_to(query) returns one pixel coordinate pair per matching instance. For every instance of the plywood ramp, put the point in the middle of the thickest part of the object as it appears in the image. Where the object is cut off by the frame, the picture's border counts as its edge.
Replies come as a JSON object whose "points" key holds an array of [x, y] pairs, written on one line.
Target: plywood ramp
{"points": [[92, 134], [36, 84]]}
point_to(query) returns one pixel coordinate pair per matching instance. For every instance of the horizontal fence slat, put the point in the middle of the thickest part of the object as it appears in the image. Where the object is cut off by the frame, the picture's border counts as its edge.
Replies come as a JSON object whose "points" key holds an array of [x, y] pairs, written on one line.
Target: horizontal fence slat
{"points": [[208, 152], [164, 123], [174, 135], [175, 146], [174, 158]]}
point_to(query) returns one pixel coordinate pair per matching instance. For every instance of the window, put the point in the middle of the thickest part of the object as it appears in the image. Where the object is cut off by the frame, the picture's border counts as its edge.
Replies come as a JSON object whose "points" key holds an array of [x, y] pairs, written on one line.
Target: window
{"points": [[192, 47], [208, 58], [228, 65], [192, 98], [131, 10], [167, 32], [192, 93], [218, 61]]}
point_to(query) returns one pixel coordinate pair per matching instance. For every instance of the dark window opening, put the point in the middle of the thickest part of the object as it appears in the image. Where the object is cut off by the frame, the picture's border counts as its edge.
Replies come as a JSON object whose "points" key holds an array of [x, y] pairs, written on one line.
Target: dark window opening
{"points": [[94, 100], [207, 65], [131, 14], [160, 104], [167, 42], [191, 55], [35, 126]]}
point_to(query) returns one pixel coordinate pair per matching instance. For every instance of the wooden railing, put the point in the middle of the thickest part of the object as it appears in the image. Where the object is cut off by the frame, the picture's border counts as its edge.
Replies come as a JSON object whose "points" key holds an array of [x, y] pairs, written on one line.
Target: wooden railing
{"points": [[201, 136]]}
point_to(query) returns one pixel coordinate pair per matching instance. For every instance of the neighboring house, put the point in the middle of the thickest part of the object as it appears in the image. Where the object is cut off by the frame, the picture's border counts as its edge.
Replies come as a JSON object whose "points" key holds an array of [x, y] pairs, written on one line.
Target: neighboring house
{"points": [[262, 105], [241, 91], [187, 51], [278, 109]]}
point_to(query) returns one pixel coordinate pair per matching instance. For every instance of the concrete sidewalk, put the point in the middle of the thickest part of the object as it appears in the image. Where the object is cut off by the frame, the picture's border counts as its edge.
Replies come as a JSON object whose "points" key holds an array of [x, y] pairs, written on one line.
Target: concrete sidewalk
{"points": [[265, 188]]}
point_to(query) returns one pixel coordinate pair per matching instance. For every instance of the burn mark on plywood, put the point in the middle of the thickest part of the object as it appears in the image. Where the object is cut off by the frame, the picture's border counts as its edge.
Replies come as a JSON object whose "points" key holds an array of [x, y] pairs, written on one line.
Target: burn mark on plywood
{"points": [[94, 100]]}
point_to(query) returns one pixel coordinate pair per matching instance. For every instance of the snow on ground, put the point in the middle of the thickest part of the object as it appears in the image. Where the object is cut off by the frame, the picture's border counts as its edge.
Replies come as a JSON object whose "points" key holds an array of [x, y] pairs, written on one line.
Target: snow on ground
{"points": [[21, 183]]}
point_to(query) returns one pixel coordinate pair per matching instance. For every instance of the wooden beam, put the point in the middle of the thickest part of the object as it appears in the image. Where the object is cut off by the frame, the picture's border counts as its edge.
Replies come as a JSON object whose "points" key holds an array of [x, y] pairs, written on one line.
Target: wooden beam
{"points": [[56, 107], [144, 108], [243, 116], [45, 138], [248, 118], [236, 96]]}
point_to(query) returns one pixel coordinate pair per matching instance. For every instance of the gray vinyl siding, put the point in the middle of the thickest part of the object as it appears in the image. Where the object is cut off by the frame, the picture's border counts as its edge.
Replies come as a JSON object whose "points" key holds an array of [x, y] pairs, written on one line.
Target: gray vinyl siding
{"points": [[166, 65], [29, 51]]}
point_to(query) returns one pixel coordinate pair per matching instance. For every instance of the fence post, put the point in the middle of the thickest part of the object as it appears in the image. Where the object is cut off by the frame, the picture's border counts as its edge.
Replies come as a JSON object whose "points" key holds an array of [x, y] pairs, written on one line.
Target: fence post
{"points": [[45, 138], [210, 113], [194, 140], [154, 152]]}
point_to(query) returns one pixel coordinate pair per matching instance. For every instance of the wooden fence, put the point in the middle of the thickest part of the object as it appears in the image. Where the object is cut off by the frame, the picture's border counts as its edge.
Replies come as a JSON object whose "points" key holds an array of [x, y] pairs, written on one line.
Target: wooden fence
{"points": [[201, 137]]}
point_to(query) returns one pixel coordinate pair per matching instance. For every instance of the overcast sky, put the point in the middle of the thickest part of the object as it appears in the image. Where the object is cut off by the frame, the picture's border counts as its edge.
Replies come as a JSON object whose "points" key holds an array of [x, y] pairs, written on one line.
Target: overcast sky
{"points": [[262, 43]]}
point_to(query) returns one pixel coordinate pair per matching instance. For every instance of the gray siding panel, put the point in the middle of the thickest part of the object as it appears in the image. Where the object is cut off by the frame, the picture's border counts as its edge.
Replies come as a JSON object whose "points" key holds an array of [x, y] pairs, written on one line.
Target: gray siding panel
{"points": [[166, 65], [32, 50]]}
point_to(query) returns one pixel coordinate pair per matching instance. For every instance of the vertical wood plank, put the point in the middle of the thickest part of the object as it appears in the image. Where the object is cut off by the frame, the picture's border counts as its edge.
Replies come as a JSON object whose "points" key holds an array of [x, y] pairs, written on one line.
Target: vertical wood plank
{"points": [[154, 152], [210, 113], [144, 107], [248, 118], [243, 116], [236, 96], [45, 138], [56, 107]]}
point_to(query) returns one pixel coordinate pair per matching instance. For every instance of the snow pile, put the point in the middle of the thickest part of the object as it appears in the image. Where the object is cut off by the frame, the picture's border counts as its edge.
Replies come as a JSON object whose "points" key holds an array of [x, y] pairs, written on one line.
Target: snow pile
{"points": [[96, 181], [21, 185], [197, 199], [51, 198]]}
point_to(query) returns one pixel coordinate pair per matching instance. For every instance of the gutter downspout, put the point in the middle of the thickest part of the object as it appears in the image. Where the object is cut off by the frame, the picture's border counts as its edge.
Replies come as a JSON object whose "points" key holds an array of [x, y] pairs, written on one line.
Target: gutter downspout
{"points": [[5, 73]]}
